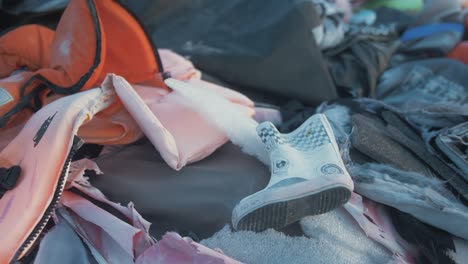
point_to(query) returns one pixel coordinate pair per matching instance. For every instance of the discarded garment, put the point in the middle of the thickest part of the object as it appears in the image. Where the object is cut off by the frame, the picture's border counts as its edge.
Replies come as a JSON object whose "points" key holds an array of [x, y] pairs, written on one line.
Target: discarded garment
{"points": [[234, 41], [330, 32], [209, 188], [453, 142], [62, 245], [52, 130], [424, 197], [438, 28], [175, 249], [76, 63], [125, 239], [370, 138], [357, 62], [423, 85], [32, 6]]}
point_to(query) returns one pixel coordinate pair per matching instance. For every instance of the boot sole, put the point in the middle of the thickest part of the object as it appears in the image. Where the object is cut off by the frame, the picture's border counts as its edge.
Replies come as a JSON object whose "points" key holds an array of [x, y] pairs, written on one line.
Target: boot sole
{"points": [[280, 214]]}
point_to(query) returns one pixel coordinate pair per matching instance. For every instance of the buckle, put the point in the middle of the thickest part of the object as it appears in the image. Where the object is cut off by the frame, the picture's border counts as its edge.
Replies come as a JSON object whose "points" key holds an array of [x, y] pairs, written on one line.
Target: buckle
{"points": [[8, 178]]}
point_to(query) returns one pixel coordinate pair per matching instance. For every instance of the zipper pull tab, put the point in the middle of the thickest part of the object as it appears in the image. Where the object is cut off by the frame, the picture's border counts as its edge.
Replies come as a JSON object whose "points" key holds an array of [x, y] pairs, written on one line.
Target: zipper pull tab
{"points": [[8, 178]]}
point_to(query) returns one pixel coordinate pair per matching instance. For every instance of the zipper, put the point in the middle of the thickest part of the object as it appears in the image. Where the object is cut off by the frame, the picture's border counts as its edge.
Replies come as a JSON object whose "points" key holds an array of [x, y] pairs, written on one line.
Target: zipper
{"points": [[32, 238]]}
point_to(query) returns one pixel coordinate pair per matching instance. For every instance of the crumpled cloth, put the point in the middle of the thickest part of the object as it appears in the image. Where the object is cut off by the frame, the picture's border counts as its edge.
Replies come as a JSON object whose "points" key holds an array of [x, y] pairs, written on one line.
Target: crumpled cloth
{"points": [[118, 237]]}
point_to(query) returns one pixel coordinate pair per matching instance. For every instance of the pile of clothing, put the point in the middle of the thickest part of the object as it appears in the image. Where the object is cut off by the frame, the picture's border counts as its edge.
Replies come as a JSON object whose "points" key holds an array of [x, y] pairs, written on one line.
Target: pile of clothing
{"points": [[233, 131]]}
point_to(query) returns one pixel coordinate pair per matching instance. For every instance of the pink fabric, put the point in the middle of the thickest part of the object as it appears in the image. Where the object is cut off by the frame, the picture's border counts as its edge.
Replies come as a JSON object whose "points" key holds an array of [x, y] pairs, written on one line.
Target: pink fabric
{"points": [[376, 223], [180, 134], [193, 139], [42, 146], [8, 134], [222, 114], [178, 66], [100, 227], [116, 240], [161, 138], [177, 250], [78, 181], [41, 150]]}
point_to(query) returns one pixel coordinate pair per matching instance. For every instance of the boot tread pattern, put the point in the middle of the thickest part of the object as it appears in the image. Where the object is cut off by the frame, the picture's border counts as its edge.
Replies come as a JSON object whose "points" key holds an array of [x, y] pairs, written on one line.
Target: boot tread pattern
{"points": [[280, 214]]}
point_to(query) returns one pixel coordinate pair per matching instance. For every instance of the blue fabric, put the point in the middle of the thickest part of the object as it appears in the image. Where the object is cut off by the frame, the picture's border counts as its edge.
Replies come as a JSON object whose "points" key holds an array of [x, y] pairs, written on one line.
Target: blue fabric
{"points": [[63, 245], [431, 94], [428, 30]]}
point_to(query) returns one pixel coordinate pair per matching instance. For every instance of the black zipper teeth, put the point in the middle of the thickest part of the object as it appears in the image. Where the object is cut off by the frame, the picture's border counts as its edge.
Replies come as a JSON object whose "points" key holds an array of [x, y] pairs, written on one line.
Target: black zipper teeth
{"points": [[55, 200]]}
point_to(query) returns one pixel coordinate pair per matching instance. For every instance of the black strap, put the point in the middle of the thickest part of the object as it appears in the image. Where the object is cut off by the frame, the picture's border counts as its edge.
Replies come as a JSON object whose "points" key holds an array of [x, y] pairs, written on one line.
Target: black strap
{"points": [[8, 179]]}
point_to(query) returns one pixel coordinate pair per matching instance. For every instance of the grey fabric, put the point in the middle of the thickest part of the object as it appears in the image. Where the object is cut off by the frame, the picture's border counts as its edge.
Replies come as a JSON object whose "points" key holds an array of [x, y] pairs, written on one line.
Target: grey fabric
{"points": [[294, 113], [397, 129], [426, 198], [436, 45], [453, 142], [398, 145], [330, 32], [439, 11], [9, 21], [262, 46], [198, 199], [433, 85], [386, 15], [418, 142], [428, 119], [61, 245], [357, 62], [17, 7], [434, 245], [370, 137]]}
